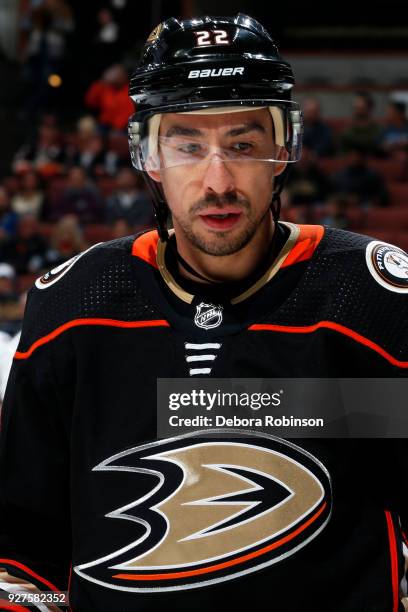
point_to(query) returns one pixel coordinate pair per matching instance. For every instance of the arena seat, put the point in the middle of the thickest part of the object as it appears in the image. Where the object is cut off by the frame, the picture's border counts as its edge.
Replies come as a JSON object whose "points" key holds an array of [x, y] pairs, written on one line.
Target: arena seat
{"points": [[118, 143], [398, 238], [46, 229], [97, 232], [390, 169], [339, 124], [107, 185], [398, 195], [393, 219], [356, 218], [331, 165]]}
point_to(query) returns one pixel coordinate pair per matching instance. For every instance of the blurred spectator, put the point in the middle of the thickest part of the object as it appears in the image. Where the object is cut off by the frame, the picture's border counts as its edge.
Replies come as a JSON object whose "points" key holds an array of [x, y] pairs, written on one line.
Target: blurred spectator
{"points": [[361, 184], [293, 214], [8, 346], [109, 29], [8, 219], [50, 23], [46, 154], [80, 197], [87, 126], [11, 184], [66, 241], [130, 202], [92, 155], [335, 212], [109, 97], [364, 131], [317, 134], [9, 338], [26, 250], [11, 312], [30, 197], [7, 283], [107, 43], [394, 136], [307, 184], [121, 228]]}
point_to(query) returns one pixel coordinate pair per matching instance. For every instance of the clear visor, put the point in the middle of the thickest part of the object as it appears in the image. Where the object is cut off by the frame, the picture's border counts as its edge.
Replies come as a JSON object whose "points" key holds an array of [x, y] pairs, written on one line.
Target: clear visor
{"points": [[159, 144]]}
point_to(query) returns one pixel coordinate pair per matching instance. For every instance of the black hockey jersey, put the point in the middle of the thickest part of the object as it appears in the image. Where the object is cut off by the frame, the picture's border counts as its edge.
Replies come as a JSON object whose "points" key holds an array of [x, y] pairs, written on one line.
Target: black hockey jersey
{"points": [[92, 501]]}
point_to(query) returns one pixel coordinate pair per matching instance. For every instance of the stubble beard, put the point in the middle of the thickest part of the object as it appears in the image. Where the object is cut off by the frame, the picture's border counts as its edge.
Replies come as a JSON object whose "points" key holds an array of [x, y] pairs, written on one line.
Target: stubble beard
{"points": [[218, 243]]}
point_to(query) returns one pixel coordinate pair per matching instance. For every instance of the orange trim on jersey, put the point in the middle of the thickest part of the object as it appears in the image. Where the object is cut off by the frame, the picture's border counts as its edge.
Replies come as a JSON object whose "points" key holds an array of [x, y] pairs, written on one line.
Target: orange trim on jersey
{"points": [[307, 242], [79, 322], [394, 561], [342, 329], [145, 247], [30, 572], [220, 566]]}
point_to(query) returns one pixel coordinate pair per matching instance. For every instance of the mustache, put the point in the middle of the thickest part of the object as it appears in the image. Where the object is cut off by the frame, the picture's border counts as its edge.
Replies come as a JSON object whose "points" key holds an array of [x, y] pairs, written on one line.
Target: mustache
{"points": [[219, 201]]}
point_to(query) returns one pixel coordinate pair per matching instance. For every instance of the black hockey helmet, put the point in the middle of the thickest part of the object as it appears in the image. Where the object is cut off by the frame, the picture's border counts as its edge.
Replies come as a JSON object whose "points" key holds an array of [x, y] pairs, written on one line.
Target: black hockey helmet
{"points": [[212, 64]]}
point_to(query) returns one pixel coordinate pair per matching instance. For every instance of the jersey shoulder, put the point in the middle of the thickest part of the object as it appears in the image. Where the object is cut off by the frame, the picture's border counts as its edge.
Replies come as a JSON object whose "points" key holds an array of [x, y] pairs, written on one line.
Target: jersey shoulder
{"points": [[357, 283], [102, 282], [375, 263]]}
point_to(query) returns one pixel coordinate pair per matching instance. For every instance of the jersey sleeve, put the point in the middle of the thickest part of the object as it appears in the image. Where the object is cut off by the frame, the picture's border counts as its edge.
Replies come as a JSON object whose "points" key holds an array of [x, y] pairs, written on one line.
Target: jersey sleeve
{"points": [[34, 472]]}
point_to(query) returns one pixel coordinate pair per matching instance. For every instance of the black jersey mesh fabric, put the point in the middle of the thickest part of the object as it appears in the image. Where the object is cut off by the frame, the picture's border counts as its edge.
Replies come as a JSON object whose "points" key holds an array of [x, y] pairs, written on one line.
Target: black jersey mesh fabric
{"points": [[102, 284], [335, 286], [338, 286]]}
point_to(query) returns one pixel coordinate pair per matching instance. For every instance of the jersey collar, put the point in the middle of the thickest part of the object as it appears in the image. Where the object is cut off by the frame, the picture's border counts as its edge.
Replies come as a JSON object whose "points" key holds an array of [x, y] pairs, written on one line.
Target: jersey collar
{"points": [[299, 246]]}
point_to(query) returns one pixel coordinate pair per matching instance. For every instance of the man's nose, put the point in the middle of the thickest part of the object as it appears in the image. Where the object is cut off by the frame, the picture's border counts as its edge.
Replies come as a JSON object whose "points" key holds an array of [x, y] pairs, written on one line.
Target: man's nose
{"points": [[218, 177]]}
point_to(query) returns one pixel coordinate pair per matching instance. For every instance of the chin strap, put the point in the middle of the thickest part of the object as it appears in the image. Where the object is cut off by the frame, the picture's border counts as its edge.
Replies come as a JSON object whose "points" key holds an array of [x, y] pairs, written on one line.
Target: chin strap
{"points": [[173, 246]]}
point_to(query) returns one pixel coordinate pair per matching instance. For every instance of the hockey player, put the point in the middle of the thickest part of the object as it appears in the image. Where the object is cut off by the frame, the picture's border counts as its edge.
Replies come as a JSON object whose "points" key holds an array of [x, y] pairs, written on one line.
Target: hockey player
{"points": [[91, 500]]}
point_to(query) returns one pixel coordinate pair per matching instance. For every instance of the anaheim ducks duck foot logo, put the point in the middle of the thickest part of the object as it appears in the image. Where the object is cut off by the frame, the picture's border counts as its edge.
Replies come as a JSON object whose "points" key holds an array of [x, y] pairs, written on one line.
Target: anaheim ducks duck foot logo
{"points": [[220, 505], [208, 316]]}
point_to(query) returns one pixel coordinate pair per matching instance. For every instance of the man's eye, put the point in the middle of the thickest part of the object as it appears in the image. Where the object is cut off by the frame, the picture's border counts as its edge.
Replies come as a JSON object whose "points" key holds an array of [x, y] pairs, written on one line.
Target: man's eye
{"points": [[191, 148], [242, 147]]}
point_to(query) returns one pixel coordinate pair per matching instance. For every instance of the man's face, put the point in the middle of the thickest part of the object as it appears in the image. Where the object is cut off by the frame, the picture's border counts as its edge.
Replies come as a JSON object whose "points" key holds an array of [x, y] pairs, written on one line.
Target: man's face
{"points": [[219, 203]]}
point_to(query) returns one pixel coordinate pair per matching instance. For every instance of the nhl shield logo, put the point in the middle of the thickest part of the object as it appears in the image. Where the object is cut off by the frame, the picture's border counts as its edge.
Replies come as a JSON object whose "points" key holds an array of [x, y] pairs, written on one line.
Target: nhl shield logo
{"points": [[208, 316]]}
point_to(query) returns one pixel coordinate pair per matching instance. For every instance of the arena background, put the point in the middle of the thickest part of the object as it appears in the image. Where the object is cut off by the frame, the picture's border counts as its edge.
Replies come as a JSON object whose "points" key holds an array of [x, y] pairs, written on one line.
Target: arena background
{"points": [[65, 177]]}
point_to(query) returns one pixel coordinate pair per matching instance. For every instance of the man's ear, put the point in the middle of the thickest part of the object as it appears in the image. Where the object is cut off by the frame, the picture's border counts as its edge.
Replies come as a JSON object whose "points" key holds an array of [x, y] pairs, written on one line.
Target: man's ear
{"points": [[280, 166], [150, 168], [155, 175]]}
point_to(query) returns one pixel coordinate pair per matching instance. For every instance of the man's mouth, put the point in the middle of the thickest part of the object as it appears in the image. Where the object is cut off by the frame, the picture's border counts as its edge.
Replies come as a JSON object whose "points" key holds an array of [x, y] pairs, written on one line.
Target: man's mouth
{"points": [[221, 220]]}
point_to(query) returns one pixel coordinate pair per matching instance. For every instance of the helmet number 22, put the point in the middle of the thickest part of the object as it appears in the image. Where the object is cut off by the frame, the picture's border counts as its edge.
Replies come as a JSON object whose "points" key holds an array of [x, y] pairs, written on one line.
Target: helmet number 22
{"points": [[212, 37]]}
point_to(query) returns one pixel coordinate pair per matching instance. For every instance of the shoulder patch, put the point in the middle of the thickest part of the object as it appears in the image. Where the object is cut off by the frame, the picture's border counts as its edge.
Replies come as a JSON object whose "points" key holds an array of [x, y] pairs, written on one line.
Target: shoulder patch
{"points": [[54, 275], [388, 265]]}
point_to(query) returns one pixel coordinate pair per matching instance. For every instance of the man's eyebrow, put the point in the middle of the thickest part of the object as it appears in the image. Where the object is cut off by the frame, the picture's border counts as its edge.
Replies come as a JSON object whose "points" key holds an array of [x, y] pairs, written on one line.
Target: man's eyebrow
{"points": [[247, 127], [180, 130]]}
